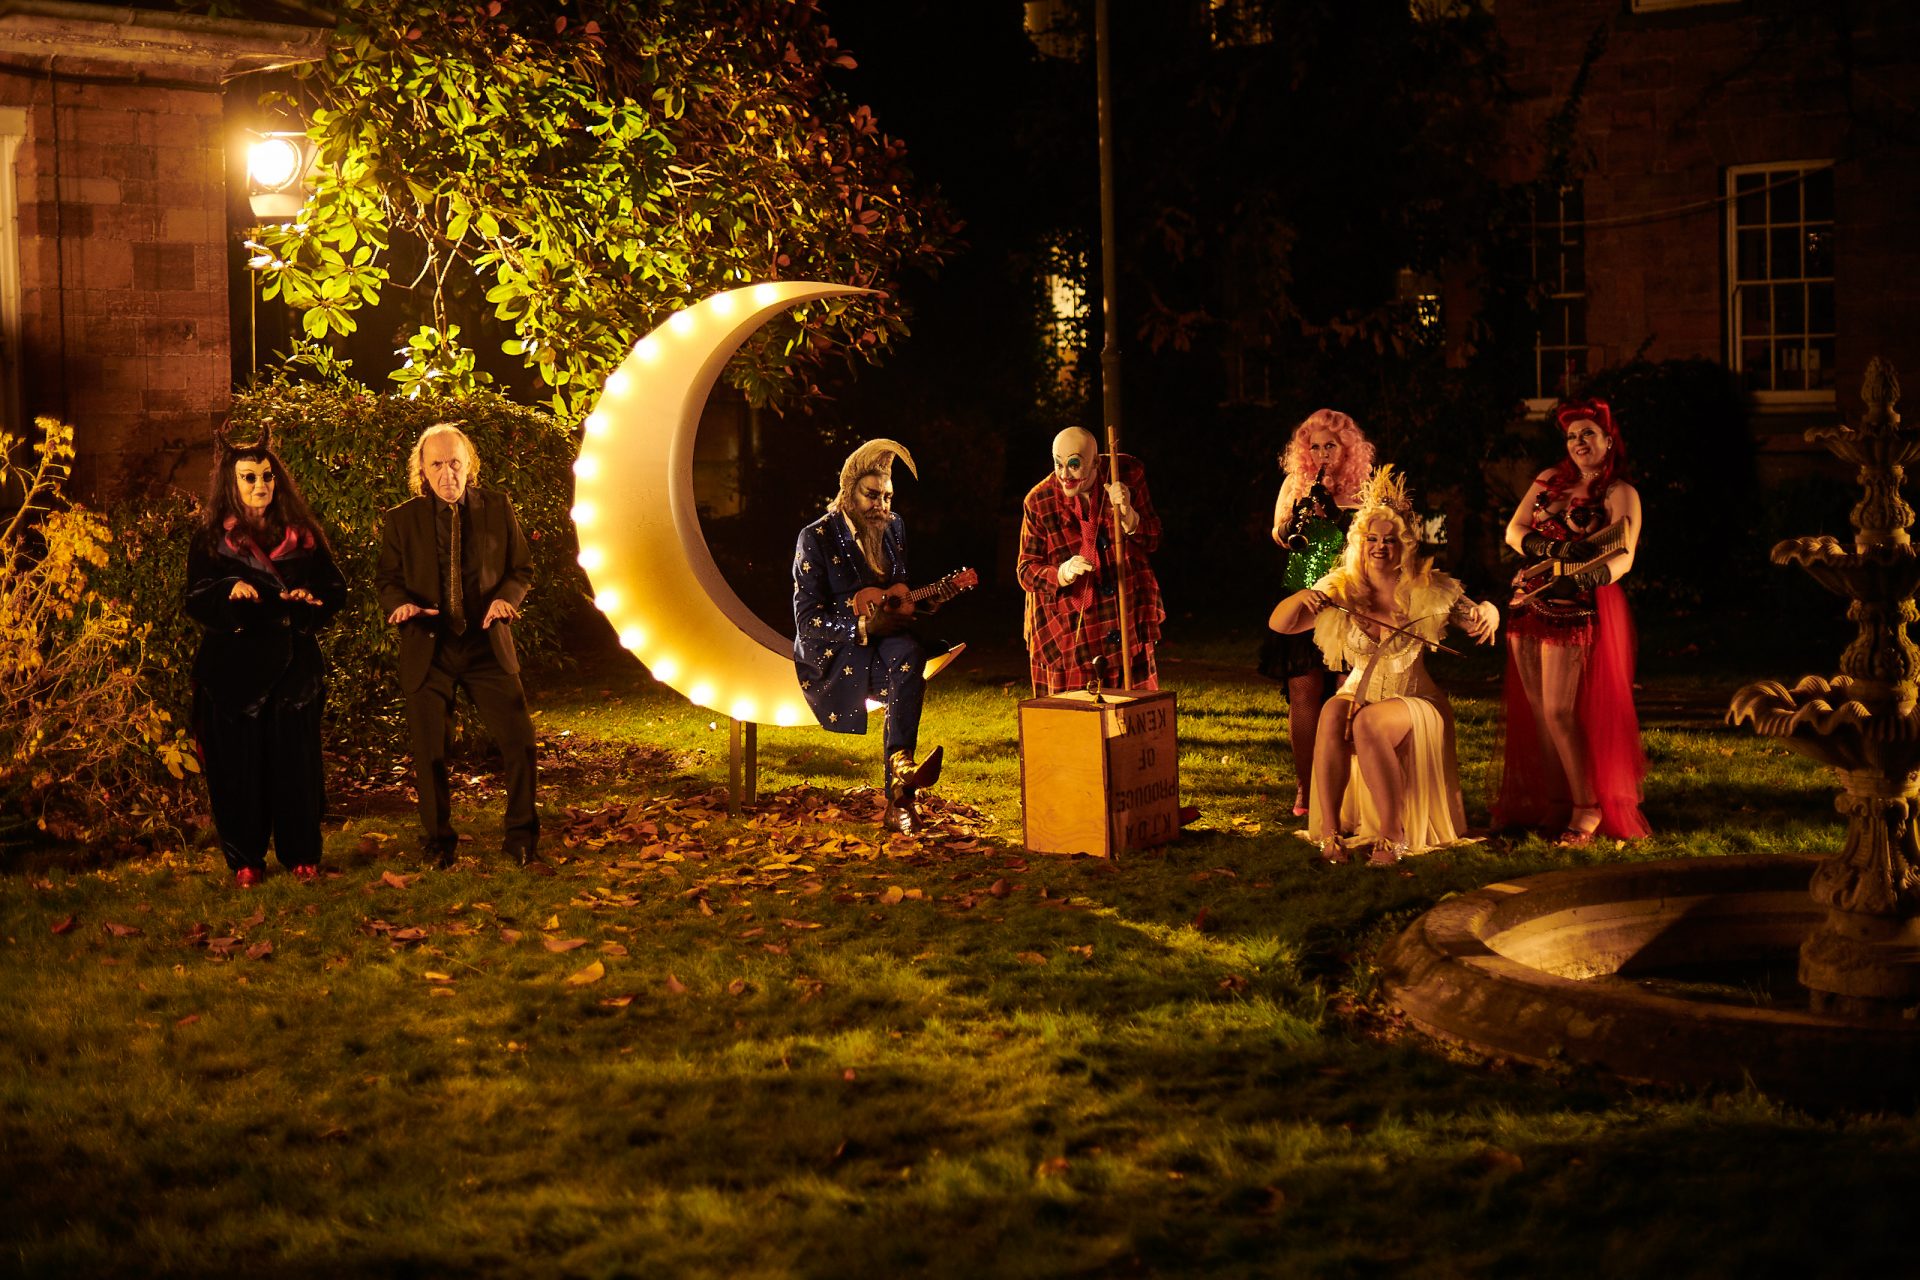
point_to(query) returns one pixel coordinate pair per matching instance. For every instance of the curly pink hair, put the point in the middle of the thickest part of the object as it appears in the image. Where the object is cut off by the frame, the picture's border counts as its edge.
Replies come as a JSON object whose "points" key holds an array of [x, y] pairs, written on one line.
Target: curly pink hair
{"points": [[1347, 475]]}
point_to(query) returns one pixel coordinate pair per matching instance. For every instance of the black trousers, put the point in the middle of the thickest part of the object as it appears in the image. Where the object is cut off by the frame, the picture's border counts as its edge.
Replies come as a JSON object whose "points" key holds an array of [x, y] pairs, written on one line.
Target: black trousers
{"points": [[468, 661], [895, 678], [264, 780]]}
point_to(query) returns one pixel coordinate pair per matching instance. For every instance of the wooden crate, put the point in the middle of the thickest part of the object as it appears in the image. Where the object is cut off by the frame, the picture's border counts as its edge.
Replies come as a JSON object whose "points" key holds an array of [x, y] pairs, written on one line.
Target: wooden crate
{"points": [[1099, 778]]}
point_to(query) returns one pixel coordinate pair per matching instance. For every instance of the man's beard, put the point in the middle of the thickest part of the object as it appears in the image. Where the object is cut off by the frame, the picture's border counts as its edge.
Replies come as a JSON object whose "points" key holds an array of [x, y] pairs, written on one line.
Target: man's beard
{"points": [[870, 536]]}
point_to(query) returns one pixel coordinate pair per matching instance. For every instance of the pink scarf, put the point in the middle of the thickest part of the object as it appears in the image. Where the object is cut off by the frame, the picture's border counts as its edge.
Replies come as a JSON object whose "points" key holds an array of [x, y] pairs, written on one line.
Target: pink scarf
{"points": [[241, 546]]}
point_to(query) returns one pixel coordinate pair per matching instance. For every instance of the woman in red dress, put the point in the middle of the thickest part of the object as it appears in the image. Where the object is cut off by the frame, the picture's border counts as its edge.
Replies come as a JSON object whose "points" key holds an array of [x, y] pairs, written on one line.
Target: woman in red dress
{"points": [[1573, 756]]}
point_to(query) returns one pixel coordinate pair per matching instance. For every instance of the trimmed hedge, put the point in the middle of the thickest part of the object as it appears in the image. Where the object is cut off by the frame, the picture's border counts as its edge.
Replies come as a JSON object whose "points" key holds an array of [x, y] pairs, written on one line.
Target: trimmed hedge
{"points": [[347, 448]]}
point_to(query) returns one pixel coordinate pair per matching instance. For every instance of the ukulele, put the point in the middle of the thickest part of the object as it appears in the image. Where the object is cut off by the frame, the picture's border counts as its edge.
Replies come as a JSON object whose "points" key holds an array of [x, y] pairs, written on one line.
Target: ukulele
{"points": [[871, 602]]}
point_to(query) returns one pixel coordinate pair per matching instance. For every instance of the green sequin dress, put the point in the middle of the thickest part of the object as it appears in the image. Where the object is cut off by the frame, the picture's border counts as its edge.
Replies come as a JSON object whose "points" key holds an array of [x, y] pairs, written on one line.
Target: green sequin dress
{"points": [[1283, 657]]}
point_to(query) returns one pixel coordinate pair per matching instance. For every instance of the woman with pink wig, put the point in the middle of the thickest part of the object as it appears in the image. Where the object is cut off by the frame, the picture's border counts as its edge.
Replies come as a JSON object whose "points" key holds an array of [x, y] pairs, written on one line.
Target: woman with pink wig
{"points": [[1573, 758], [1325, 464]]}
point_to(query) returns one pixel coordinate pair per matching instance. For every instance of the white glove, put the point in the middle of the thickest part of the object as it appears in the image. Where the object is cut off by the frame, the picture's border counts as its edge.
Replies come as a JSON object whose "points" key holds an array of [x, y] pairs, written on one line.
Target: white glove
{"points": [[1075, 566]]}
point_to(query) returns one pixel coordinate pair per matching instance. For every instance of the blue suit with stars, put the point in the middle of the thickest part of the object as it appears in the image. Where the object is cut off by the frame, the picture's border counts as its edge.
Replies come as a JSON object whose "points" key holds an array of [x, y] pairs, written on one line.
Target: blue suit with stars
{"points": [[837, 673]]}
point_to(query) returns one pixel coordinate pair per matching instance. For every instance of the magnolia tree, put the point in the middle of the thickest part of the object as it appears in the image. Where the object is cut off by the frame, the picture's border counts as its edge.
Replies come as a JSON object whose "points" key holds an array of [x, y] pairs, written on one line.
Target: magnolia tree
{"points": [[597, 168]]}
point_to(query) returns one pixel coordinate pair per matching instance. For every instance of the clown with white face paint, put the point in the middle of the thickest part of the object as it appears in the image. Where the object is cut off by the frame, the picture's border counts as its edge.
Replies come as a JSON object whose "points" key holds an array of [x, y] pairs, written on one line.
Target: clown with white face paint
{"points": [[1374, 617], [1070, 572]]}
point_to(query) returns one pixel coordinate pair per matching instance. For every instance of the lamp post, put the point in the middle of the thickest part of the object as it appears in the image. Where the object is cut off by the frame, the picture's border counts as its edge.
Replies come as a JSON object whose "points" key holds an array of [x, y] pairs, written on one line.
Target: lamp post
{"points": [[277, 166]]}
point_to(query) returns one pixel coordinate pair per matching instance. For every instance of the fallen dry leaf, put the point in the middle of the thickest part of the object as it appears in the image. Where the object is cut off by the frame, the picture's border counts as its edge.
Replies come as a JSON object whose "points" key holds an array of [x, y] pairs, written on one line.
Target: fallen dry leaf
{"points": [[999, 888], [613, 948], [122, 930], [800, 924], [258, 918], [431, 976], [259, 951], [439, 991], [509, 935], [397, 881], [1085, 953], [562, 944], [1051, 1168], [617, 1002], [1233, 982], [412, 933], [592, 973], [553, 922], [892, 895], [849, 1075], [63, 926], [1031, 957], [188, 1021], [737, 987], [676, 986], [1501, 1160]]}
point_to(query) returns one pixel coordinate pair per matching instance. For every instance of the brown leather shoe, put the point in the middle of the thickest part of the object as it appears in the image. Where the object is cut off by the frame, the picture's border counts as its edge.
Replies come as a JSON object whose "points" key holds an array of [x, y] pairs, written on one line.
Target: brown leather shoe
{"points": [[927, 772], [904, 780]]}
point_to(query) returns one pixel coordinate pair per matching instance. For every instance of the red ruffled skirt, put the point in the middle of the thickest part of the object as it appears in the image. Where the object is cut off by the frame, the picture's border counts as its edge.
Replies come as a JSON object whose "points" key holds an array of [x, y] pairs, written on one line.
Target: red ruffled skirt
{"points": [[1533, 788]]}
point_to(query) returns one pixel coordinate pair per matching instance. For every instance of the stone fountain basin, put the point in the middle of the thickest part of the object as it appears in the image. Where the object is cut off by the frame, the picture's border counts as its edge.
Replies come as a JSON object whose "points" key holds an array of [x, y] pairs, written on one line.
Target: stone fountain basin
{"points": [[1569, 967]]}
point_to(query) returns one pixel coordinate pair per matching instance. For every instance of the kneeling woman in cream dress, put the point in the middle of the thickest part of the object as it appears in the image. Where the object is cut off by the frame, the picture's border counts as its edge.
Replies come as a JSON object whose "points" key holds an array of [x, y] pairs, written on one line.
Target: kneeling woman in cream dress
{"points": [[1405, 797]]}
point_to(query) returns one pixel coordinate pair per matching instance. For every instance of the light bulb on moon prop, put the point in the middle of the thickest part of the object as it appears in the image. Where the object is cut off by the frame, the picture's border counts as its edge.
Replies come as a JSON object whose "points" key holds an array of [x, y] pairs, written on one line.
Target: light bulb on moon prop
{"points": [[639, 532]]}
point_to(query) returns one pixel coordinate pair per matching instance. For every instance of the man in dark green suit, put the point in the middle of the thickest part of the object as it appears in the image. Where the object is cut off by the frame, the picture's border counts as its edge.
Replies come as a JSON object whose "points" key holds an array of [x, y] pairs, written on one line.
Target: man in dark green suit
{"points": [[456, 627]]}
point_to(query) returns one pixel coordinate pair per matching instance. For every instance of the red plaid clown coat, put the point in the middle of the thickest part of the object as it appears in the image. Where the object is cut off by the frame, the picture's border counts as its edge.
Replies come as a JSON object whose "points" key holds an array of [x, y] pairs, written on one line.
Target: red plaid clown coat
{"points": [[1065, 628]]}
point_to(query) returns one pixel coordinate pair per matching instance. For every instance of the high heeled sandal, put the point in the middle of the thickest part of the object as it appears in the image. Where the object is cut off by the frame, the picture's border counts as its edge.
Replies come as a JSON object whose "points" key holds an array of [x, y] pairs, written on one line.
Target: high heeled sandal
{"points": [[1575, 837], [1299, 804], [1334, 851], [1387, 852]]}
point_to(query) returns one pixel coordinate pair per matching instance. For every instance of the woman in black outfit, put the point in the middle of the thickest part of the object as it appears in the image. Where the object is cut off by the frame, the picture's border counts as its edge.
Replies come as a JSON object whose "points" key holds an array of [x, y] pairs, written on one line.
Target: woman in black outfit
{"points": [[261, 581]]}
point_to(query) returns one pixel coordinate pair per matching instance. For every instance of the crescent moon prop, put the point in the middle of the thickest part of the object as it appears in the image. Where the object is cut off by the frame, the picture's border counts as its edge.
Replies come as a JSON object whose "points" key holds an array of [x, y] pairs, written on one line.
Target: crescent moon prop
{"points": [[640, 539]]}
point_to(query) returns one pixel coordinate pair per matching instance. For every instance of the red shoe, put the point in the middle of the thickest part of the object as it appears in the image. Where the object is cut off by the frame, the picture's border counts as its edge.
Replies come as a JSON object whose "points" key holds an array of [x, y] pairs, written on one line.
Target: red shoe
{"points": [[247, 877], [306, 873]]}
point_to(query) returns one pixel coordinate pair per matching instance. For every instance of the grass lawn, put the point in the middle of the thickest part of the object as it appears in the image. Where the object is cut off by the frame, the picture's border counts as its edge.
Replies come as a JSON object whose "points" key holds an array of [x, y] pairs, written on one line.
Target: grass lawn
{"points": [[778, 1045]]}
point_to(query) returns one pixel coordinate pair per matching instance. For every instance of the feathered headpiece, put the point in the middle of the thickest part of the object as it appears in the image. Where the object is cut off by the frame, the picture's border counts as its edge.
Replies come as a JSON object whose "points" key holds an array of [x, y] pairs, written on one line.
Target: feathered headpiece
{"points": [[875, 457], [1385, 493], [1385, 487]]}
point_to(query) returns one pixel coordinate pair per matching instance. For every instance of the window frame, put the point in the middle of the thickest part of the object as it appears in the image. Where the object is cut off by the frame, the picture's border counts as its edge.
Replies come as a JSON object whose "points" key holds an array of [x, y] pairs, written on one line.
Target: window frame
{"points": [[1768, 400]]}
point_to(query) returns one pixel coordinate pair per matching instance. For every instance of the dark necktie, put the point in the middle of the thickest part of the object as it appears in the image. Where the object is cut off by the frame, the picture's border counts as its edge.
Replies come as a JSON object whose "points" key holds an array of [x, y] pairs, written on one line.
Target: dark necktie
{"points": [[456, 606]]}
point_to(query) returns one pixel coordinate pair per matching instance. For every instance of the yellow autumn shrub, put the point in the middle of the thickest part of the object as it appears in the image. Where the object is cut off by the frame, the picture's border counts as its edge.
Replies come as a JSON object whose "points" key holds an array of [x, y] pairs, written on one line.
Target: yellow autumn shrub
{"points": [[85, 754]]}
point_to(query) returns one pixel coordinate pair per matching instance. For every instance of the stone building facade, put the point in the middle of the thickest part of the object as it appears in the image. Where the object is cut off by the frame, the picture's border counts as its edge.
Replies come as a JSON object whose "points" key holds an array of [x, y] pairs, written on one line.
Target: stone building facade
{"points": [[1742, 183], [115, 165]]}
